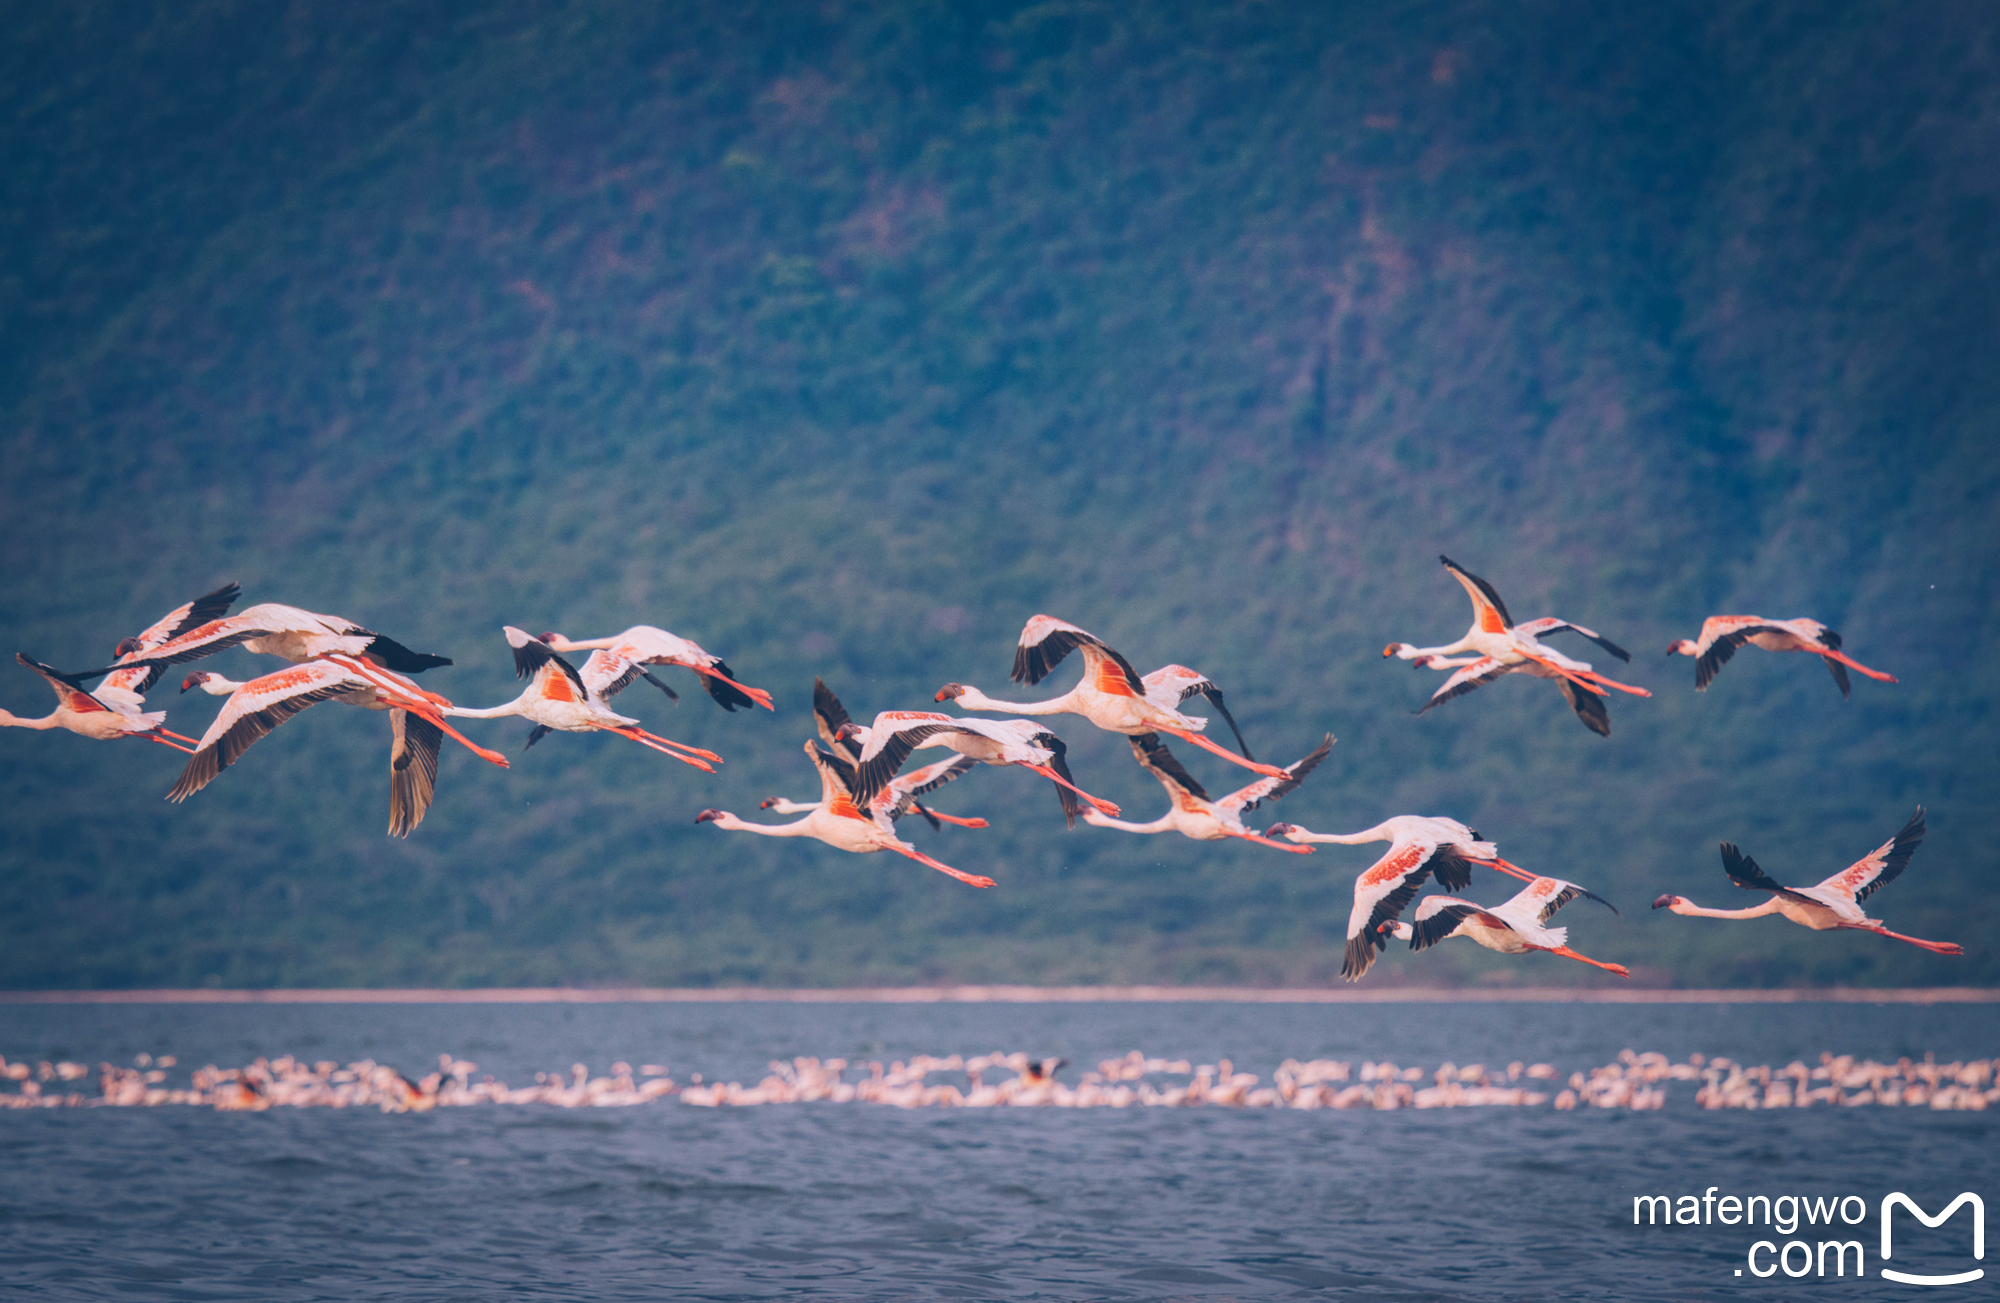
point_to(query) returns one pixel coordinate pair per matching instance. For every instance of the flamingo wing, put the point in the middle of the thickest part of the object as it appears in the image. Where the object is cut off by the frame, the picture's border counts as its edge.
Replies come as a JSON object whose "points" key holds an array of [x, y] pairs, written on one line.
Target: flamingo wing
{"points": [[1489, 613], [607, 674], [831, 717], [891, 739], [1744, 872], [69, 691], [1437, 919], [1881, 866], [256, 708], [1563, 894], [1831, 641], [532, 655], [1475, 675], [1381, 894], [836, 783], [1725, 646], [1589, 707], [1550, 624], [1170, 685], [186, 616], [1045, 640], [900, 796], [413, 761], [1271, 789], [1151, 752]]}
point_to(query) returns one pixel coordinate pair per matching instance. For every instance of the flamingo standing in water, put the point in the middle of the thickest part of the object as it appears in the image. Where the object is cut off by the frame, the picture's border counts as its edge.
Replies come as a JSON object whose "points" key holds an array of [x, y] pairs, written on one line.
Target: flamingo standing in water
{"points": [[558, 699], [831, 717], [1111, 695], [413, 739], [102, 718], [1722, 635], [838, 822], [1513, 928], [642, 644], [1418, 847], [1833, 903], [255, 708], [1500, 647], [888, 742], [1193, 814]]}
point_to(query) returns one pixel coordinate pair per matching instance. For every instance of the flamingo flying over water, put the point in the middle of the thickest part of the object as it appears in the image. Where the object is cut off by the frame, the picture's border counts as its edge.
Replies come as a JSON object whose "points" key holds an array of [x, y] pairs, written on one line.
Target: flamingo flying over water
{"points": [[1722, 635], [1512, 928], [103, 718], [900, 797], [1111, 695], [557, 699], [838, 822], [1501, 647], [1827, 905], [642, 644], [413, 739], [261, 705], [1418, 847], [888, 742], [1192, 813], [831, 717], [273, 630]]}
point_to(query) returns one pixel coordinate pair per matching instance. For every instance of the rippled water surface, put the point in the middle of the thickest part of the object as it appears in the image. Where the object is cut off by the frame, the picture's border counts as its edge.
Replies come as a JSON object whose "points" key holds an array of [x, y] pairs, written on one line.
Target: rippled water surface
{"points": [[854, 1201]]}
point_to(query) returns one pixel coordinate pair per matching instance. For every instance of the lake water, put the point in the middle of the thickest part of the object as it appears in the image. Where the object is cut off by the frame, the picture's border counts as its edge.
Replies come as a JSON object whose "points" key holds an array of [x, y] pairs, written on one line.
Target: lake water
{"points": [[666, 1200]]}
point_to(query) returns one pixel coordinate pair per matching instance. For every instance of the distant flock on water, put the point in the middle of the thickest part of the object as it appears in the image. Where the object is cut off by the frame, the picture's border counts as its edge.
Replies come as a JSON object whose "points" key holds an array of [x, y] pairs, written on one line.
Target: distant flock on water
{"points": [[866, 786]]}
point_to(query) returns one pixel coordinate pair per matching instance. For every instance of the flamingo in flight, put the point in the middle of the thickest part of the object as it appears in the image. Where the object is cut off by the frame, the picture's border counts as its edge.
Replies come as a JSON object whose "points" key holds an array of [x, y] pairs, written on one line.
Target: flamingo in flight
{"points": [[1500, 646], [558, 699], [831, 717], [413, 739], [261, 705], [103, 718], [888, 742], [1832, 903], [1111, 695], [902, 793], [1193, 813], [1722, 635], [838, 822], [1513, 928], [642, 644], [273, 630], [1419, 846]]}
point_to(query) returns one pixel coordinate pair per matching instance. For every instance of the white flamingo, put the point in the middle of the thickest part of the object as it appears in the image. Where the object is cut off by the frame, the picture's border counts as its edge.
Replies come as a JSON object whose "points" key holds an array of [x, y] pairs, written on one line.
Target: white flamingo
{"points": [[558, 700], [831, 717], [1495, 638], [1513, 928], [414, 740], [888, 742], [273, 630], [1827, 905], [900, 796], [642, 644], [1419, 846], [262, 704], [1722, 635], [839, 823], [102, 718], [1193, 814], [1111, 695]]}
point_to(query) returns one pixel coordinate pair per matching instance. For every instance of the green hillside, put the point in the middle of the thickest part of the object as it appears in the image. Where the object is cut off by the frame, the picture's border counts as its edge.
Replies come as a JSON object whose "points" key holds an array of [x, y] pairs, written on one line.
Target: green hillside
{"points": [[843, 338]]}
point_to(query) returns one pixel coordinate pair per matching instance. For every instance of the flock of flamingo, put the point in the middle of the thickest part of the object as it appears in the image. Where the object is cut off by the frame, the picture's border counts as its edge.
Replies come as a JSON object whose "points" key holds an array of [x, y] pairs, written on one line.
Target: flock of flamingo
{"points": [[1634, 1081], [865, 787]]}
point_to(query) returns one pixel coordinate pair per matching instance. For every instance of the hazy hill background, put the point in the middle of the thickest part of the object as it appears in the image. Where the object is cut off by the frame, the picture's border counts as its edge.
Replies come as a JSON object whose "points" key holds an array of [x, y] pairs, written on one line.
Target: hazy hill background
{"points": [[843, 337]]}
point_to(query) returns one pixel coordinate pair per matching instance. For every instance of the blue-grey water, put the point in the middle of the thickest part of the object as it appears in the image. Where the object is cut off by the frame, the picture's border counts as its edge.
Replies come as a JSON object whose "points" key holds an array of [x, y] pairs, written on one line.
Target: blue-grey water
{"points": [[856, 1201]]}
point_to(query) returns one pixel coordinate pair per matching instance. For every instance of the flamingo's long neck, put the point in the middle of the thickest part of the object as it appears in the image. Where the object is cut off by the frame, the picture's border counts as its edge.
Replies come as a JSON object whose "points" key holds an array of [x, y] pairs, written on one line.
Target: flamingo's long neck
{"points": [[1405, 652], [562, 644], [974, 699], [734, 824], [494, 712], [1341, 839], [217, 686], [15, 721], [1164, 823], [1693, 910]]}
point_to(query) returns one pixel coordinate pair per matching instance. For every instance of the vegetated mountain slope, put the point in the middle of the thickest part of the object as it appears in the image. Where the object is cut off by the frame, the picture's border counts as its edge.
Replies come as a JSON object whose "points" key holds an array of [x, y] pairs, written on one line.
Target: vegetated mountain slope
{"points": [[842, 341]]}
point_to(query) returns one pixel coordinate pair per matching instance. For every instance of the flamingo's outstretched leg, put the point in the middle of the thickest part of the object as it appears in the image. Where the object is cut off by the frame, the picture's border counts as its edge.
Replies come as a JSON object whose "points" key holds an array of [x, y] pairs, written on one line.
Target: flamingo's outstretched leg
{"points": [[430, 713], [1283, 846], [1269, 771], [1935, 947], [1103, 807], [757, 695], [1856, 666], [178, 737], [1505, 867], [1572, 675], [1567, 953], [970, 879], [682, 746], [645, 739], [155, 737], [942, 817], [1595, 677]]}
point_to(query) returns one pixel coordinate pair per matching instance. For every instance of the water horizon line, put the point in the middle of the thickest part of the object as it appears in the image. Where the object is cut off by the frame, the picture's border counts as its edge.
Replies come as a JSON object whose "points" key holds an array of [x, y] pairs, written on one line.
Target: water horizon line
{"points": [[1011, 994]]}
